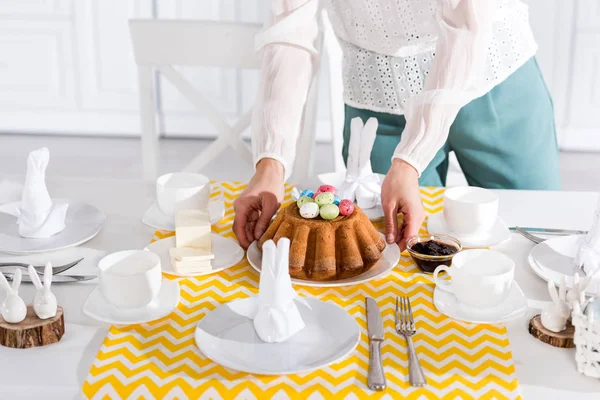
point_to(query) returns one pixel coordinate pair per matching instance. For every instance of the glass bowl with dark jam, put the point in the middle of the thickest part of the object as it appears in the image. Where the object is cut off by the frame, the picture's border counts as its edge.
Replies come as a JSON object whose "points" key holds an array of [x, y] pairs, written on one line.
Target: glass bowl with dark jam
{"points": [[431, 251]]}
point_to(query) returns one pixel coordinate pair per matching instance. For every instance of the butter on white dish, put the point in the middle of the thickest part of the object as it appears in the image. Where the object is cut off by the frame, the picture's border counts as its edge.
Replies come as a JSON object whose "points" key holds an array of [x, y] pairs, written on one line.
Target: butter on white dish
{"points": [[192, 229], [190, 260], [193, 247]]}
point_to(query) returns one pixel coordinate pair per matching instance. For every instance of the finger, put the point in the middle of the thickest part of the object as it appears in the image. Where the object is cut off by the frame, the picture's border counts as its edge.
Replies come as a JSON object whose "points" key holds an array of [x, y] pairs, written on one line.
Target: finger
{"points": [[412, 224], [391, 222], [270, 205], [251, 224], [239, 222]]}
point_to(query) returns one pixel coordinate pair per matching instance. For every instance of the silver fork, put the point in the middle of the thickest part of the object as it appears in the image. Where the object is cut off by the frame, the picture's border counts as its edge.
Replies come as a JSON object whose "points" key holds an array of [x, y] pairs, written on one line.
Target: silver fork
{"points": [[40, 268], [405, 325], [533, 238]]}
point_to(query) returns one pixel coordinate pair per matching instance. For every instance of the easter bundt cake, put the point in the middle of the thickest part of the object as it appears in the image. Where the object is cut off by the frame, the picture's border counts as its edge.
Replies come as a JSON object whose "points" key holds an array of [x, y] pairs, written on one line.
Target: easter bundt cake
{"points": [[323, 249]]}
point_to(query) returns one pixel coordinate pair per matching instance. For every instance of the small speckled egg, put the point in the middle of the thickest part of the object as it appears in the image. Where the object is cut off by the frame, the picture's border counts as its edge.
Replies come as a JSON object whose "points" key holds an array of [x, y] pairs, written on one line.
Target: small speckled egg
{"points": [[324, 198], [346, 207], [309, 210], [336, 200], [303, 200], [307, 193], [329, 211], [327, 188]]}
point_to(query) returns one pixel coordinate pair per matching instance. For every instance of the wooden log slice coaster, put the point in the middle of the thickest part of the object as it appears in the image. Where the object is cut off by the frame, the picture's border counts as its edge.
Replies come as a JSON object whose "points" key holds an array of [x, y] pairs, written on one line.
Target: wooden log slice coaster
{"points": [[562, 339], [32, 331]]}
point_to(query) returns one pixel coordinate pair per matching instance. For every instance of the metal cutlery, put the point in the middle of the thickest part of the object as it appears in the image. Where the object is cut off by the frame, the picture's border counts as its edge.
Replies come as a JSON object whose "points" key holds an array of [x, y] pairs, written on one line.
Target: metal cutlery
{"points": [[56, 278], [376, 378], [549, 231], [526, 232], [40, 268], [405, 325]]}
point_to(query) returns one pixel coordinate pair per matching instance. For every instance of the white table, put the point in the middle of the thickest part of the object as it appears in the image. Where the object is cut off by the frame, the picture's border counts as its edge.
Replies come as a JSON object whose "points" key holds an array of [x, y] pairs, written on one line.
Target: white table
{"points": [[58, 371]]}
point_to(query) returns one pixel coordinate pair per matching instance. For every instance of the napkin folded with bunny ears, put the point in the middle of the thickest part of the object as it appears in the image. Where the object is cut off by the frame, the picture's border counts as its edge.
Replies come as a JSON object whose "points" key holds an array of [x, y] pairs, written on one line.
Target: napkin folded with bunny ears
{"points": [[361, 184], [277, 317], [38, 216]]}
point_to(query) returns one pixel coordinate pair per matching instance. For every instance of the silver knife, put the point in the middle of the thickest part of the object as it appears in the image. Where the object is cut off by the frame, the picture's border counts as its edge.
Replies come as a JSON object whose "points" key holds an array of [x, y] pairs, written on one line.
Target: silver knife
{"points": [[549, 231], [56, 278], [376, 377]]}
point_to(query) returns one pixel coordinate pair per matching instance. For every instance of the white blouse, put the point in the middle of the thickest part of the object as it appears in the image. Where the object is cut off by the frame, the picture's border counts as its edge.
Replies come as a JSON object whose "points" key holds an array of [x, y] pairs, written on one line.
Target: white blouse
{"points": [[421, 58]]}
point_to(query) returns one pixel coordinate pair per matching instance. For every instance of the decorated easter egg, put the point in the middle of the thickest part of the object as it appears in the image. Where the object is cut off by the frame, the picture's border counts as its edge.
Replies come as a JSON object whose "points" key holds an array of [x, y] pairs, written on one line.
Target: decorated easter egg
{"points": [[309, 210], [329, 211], [327, 188], [324, 198], [346, 207], [307, 193], [303, 200], [336, 200]]}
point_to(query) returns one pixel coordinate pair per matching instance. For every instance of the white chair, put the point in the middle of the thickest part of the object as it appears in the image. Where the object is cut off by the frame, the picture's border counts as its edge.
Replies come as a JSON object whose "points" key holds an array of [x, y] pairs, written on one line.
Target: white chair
{"points": [[160, 44]]}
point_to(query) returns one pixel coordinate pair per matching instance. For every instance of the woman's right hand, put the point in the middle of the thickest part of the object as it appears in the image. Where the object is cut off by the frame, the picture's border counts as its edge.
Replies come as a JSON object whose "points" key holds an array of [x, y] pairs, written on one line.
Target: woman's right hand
{"points": [[257, 204]]}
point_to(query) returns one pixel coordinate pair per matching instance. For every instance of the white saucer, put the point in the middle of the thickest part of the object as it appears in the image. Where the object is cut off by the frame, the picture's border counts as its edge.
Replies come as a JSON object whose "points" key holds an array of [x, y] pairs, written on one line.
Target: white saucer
{"points": [[155, 218], [226, 335], [552, 260], [515, 306], [227, 254], [336, 179], [389, 259], [436, 225], [83, 222], [166, 302]]}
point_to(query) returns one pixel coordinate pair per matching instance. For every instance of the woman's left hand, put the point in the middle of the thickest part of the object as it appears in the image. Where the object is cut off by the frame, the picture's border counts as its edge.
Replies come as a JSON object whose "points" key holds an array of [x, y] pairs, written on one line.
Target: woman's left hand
{"points": [[400, 194]]}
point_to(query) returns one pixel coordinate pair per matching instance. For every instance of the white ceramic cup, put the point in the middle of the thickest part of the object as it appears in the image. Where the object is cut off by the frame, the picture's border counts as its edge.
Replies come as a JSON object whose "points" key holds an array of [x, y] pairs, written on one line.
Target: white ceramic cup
{"points": [[182, 190], [130, 279], [470, 210], [478, 278]]}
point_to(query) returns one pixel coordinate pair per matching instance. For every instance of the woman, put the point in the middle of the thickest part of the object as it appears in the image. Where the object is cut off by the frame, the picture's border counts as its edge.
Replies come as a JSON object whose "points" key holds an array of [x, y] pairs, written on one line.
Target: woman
{"points": [[439, 75]]}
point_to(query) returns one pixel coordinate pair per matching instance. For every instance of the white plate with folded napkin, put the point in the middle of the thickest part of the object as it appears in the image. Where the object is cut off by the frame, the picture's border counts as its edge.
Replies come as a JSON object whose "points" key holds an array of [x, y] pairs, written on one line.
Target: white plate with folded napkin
{"points": [[155, 218], [389, 259], [227, 336], [227, 254], [83, 222], [552, 260]]}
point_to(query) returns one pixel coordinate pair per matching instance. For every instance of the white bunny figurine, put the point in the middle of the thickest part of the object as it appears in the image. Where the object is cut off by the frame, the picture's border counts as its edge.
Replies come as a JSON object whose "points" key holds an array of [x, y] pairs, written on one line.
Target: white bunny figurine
{"points": [[44, 302], [555, 315], [38, 216], [277, 317], [14, 309], [361, 184]]}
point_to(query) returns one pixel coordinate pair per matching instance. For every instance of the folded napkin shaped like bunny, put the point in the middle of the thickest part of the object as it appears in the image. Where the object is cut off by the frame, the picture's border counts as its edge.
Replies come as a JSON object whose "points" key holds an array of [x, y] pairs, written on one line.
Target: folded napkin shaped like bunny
{"points": [[277, 317], [38, 216], [361, 184]]}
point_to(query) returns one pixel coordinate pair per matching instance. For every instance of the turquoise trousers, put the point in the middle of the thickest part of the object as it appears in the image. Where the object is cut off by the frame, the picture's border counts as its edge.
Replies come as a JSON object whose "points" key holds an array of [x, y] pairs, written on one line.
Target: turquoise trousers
{"points": [[505, 139]]}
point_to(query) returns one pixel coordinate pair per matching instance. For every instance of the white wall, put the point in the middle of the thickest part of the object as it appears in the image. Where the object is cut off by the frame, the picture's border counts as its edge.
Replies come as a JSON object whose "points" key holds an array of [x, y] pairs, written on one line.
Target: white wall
{"points": [[66, 67]]}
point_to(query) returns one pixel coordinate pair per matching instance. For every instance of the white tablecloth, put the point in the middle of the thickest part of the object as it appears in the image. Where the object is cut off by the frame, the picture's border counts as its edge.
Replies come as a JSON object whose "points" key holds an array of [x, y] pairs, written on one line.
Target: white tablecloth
{"points": [[58, 371]]}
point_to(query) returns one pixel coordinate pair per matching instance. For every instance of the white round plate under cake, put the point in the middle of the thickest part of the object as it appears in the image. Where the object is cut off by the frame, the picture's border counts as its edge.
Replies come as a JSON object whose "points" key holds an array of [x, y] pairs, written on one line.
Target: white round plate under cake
{"points": [[83, 223], [552, 260], [98, 308], [337, 178], [227, 336], [389, 259], [227, 254], [436, 225]]}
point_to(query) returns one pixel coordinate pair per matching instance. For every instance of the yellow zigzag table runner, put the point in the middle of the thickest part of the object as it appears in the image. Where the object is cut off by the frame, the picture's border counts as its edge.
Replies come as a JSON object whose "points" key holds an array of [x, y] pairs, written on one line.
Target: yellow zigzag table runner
{"points": [[160, 360]]}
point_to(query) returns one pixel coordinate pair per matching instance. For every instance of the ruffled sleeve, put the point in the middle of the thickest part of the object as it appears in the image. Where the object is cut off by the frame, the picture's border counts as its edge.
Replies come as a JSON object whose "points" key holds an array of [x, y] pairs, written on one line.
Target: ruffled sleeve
{"points": [[288, 62], [456, 78]]}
